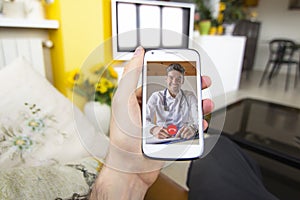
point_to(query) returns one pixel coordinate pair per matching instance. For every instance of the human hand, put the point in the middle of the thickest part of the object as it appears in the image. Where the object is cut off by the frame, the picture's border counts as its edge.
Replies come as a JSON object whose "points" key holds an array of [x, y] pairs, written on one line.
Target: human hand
{"points": [[160, 132], [126, 170], [186, 132], [126, 174]]}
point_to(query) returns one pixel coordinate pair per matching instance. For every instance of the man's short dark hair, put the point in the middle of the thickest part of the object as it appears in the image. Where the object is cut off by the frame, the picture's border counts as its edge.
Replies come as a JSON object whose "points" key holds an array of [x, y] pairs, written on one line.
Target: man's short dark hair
{"points": [[177, 67]]}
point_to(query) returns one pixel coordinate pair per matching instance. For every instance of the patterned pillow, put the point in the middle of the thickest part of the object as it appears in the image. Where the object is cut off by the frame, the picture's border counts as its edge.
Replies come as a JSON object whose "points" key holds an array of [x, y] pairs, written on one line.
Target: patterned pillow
{"points": [[49, 182], [37, 123]]}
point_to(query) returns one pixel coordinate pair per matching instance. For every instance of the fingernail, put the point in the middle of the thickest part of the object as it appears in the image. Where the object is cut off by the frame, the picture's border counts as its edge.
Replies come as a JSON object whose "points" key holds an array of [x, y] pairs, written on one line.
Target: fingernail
{"points": [[138, 51]]}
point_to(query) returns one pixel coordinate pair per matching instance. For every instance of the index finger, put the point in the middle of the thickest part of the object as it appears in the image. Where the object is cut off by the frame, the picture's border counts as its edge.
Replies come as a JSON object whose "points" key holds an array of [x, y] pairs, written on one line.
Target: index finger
{"points": [[164, 134], [165, 130], [206, 82]]}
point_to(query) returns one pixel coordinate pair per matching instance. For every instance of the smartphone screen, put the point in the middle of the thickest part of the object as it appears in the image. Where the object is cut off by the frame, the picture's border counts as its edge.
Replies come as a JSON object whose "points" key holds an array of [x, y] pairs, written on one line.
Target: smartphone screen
{"points": [[172, 110]]}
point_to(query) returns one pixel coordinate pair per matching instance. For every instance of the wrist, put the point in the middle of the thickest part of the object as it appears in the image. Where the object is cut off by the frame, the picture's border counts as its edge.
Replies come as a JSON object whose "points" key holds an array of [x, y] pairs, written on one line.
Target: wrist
{"points": [[124, 160], [113, 184]]}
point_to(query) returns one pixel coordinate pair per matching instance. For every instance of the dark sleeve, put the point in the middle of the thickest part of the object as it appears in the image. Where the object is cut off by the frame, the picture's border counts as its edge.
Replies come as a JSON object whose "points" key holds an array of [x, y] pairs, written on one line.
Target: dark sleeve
{"points": [[226, 173]]}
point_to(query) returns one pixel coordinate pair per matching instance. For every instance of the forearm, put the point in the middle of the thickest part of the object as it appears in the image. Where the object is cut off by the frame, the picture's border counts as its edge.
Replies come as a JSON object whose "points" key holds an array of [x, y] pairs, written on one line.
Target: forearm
{"points": [[112, 184]]}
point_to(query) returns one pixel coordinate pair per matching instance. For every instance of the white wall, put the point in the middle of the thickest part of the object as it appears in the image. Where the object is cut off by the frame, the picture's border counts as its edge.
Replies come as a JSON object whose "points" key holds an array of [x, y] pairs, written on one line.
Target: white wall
{"points": [[276, 21]]}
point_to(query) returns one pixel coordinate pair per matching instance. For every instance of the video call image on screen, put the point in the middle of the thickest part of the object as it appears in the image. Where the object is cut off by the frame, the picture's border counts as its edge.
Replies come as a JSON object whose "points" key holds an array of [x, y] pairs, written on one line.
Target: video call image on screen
{"points": [[172, 102]]}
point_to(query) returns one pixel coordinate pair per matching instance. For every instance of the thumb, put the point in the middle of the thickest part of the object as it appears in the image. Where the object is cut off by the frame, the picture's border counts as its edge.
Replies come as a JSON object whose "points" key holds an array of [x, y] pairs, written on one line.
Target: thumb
{"points": [[125, 104], [132, 71]]}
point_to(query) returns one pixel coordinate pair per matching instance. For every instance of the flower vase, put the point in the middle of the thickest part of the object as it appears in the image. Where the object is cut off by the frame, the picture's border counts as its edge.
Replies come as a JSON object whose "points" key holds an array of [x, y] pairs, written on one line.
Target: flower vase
{"points": [[99, 115], [204, 27], [229, 28]]}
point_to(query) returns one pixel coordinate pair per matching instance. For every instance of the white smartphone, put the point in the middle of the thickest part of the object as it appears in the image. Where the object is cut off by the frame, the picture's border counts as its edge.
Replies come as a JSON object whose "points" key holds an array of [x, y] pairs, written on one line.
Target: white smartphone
{"points": [[172, 107]]}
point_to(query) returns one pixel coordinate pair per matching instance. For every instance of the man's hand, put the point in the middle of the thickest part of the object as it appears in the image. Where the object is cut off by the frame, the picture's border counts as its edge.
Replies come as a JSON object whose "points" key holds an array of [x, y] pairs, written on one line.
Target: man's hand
{"points": [[160, 132], [186, 132], [127, 174]]}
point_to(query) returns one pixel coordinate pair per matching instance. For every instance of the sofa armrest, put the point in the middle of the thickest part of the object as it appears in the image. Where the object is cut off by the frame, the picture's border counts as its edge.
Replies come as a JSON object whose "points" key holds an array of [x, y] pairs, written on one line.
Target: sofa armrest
{"points": [[166, 188]]}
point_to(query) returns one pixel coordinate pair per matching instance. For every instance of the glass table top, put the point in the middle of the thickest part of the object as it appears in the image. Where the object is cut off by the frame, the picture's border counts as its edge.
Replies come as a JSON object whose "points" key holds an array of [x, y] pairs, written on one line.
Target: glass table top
{"points": [[267, 128]]}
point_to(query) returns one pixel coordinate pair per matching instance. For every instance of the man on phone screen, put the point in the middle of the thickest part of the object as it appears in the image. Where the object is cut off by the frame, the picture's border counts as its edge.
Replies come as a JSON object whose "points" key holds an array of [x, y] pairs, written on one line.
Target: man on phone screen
{"points": [[173, 112]]}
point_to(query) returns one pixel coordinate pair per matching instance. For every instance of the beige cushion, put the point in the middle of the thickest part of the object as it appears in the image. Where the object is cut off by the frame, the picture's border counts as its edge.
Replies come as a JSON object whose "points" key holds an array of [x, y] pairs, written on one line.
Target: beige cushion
{"points": [[37, 123], [46, 182]]}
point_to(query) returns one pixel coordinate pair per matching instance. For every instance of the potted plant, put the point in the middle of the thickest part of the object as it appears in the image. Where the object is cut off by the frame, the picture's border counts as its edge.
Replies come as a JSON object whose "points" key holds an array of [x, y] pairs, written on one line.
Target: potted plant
{"points": [[96, 85], [203, 16], [234, 11]]}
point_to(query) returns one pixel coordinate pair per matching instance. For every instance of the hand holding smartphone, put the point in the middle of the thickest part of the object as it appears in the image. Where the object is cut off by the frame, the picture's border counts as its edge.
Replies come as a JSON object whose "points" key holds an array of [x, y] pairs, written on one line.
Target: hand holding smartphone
{"points": [[171, 107]]}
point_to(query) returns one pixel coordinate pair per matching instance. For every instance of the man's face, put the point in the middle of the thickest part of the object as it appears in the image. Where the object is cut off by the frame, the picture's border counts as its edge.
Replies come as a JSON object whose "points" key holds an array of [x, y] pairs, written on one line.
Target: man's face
{"points": [[174, 81]]}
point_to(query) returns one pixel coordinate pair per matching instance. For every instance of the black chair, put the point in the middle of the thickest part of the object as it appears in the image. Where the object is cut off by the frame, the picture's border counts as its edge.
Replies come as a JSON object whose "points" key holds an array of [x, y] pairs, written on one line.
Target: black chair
{"points": [[281, 53]]}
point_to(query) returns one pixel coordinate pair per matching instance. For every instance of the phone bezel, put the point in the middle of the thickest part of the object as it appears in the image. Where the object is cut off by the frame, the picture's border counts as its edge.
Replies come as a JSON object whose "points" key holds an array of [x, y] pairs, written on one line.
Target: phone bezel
{"points": [[174, 151]]}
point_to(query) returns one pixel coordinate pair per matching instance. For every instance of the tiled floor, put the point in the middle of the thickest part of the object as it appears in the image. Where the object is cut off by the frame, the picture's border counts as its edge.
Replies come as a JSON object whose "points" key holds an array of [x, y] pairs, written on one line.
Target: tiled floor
{"points": [[249, 87], [273, 92]]}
